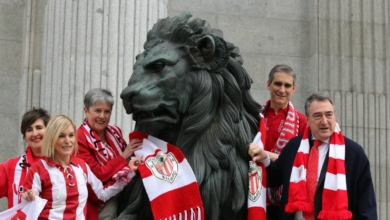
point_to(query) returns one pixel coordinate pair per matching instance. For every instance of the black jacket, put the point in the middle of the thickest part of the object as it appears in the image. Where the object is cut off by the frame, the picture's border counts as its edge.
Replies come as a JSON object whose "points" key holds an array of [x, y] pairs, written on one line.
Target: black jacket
{"points": [[361, 195]]}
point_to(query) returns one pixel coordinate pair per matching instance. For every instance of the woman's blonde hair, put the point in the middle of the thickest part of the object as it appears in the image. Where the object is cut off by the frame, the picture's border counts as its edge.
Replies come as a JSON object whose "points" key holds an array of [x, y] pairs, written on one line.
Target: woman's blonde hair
{"points": [[56, 125]]}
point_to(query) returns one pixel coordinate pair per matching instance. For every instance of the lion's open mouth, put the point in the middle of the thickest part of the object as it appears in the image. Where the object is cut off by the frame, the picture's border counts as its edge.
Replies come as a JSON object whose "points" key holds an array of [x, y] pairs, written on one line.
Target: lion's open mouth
{"points": [[159, 114]]}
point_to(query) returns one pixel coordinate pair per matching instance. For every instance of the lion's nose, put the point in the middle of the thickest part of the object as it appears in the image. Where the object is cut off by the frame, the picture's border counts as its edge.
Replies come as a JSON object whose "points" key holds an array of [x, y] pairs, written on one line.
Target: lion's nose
{"points": [[126, 93], [126, 97]]}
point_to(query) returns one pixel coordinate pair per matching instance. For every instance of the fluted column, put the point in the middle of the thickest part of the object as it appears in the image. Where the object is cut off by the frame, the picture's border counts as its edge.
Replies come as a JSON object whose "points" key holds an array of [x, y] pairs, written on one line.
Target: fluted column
{"points": [[92, 44], [354, 65]]}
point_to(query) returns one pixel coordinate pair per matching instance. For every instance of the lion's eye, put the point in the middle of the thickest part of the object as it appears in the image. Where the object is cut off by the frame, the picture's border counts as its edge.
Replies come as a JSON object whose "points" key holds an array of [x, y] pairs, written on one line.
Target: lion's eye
{"points": [[156, 67]]}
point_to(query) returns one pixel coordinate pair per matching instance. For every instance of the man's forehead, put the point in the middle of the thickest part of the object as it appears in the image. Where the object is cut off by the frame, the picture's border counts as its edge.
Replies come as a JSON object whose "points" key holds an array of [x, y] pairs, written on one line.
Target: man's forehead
{"points": [[284, 78], [283, 81], [321, 107], [323, 111]]}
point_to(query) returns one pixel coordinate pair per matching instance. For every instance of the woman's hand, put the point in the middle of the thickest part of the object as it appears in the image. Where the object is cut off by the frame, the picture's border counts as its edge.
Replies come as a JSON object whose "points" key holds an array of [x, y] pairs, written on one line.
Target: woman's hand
{"points": [[134, 145], [133, 164], [29, 195]]}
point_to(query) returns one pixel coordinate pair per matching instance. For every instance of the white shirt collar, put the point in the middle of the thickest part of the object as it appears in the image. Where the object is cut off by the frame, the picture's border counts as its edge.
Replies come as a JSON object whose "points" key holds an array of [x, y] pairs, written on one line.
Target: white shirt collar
{"points": [[325, 141]]}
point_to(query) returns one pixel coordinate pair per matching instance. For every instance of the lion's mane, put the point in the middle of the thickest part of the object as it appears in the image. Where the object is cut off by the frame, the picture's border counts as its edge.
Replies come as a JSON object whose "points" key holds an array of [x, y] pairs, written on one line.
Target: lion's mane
{"points": [[220, 117]]}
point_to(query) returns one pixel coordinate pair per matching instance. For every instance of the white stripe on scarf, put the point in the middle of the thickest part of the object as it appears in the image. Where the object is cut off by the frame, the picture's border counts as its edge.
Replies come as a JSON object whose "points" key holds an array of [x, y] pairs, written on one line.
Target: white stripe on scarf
{"points": [[109, 152]]}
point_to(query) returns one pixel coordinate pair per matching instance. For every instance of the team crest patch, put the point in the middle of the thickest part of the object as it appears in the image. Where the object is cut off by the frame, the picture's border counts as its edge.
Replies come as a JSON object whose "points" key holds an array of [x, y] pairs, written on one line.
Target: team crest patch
{"points": [[300, 173], [255, 179], [163, 166]]}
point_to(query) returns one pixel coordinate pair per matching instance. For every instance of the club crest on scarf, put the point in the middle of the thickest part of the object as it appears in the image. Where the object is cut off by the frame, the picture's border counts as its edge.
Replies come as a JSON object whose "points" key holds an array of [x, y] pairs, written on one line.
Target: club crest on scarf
{"points": [[301, 171], [255, 178], [163, 166]]}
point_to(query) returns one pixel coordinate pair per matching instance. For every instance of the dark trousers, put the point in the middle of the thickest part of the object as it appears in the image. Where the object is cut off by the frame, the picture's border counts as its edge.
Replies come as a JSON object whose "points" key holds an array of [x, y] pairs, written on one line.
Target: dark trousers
{"points": [[272, 212]]}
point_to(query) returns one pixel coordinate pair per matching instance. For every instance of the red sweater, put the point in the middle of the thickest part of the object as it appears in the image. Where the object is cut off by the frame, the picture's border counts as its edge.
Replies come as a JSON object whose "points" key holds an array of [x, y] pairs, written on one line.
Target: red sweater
{"points": [[102, 172], [274, 124]]}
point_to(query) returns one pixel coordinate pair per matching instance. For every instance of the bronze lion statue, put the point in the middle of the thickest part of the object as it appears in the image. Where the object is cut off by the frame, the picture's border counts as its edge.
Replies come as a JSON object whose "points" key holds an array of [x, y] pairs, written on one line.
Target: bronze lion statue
{"points": [[189, 88]]}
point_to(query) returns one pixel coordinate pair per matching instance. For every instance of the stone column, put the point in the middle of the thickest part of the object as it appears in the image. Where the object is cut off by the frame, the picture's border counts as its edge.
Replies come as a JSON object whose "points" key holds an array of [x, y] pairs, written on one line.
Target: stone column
{"points": [[92, 44], [354, 66], [11, 49]]}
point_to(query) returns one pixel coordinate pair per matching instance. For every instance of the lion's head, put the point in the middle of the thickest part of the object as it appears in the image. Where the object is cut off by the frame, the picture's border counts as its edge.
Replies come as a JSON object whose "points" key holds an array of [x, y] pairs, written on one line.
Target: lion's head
{"points": [[189, 88]]}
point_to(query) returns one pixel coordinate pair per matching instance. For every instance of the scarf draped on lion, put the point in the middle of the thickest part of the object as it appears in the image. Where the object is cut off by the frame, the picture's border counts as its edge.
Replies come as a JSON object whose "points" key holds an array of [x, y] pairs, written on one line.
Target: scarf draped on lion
{"points": [[189, 88]]}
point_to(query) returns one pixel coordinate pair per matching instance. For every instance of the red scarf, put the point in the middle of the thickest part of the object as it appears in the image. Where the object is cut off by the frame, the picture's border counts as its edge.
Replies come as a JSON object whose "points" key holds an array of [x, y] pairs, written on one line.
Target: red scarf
{"points": [[334, 195], [290, 127], [257, 181], [168, 179], [103, 152], [21, 167]]}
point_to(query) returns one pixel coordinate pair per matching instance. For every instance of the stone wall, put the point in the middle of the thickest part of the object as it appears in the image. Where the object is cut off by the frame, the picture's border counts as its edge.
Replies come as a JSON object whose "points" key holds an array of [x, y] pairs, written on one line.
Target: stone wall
{"points": [[267, 33], [92, 44], [341, 47], [52, 52], [11, 57]]}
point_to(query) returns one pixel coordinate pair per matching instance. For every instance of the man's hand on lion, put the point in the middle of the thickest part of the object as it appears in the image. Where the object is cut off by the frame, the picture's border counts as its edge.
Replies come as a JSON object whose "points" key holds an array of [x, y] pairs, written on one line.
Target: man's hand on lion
{"points": [[257, 153]]}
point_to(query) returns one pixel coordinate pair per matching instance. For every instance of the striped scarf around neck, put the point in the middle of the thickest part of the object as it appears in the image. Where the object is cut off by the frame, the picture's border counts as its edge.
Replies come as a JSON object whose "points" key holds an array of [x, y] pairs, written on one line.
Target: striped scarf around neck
{"points": [[335, 186], [21, 168], [289, 130], [290, 127], [103, 152]]}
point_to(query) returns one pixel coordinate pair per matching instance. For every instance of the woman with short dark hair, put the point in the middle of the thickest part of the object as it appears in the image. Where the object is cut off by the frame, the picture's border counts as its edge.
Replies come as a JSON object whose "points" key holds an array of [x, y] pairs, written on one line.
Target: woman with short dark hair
{"points": [[13, 171]]}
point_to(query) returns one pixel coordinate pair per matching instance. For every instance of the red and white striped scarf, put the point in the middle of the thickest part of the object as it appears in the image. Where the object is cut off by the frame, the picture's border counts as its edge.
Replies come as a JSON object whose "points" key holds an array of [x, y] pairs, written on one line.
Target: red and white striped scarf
{"points": [[257, 181], [290, 127], [335, 187], [114, 138], [21, 167], [168, 179]]}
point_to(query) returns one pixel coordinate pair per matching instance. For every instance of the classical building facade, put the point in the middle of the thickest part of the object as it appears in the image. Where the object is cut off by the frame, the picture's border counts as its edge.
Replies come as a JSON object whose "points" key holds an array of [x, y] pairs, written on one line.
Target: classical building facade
{"points": [[52, 52]]}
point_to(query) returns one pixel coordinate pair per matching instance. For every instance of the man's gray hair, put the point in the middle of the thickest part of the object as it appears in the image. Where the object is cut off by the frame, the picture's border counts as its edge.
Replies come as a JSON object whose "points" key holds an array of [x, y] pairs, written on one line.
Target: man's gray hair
{"points": [[281, 68], [317, 96]]}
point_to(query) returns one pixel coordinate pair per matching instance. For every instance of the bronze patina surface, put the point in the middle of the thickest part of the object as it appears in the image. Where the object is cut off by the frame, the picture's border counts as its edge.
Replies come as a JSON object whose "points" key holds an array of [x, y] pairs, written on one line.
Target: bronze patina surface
{"points": [[190, 89]]}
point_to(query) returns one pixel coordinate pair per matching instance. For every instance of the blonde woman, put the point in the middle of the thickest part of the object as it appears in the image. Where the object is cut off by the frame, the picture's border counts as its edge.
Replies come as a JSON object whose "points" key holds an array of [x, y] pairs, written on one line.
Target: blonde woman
{"points": [[62, 178]]}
